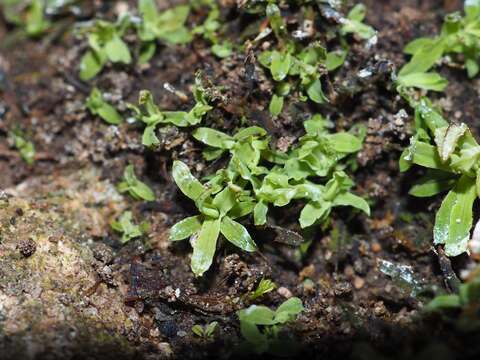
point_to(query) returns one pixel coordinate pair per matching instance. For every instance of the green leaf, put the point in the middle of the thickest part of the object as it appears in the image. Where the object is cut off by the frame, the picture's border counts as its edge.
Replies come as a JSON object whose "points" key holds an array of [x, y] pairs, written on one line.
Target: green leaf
{"points": [[213, 138], [222, 50], [444, 302], [204, 246], [433, 183], [135, 187], [265, 286], [454, 218], [187, 183], [258, 315], [90, 65], [149, 138], [108, 113], [126, 226], [335, 59], [185, 228], [117, 51], [357, 13], [260, 213], [313, 212], [237, 234], [288, 310], [349, 199], [147, 50], [315, 92], [224, 201], [424, 58], [280, 65], [426, 155], [344, 142], [276, 105], [427, 81]]}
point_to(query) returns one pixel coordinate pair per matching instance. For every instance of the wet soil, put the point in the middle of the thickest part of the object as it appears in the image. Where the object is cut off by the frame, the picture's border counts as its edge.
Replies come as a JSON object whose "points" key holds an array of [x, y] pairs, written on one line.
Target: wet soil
{"points": [[355, 306]]}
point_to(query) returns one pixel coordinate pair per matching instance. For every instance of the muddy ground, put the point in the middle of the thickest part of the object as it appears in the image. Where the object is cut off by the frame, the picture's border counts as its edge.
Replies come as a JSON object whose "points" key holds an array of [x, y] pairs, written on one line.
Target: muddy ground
{"points": [[356, 305]]}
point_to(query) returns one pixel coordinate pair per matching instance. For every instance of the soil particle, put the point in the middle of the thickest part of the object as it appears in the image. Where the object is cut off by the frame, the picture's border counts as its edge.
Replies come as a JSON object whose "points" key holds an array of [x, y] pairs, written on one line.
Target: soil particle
{"points": [[27, 247]]}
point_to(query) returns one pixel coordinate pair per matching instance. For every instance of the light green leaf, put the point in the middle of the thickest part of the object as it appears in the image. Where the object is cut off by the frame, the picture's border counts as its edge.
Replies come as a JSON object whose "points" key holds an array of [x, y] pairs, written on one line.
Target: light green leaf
{"points": [[433, 183], [90, 65], [185, 228], [454, 218], [344, 142], [237, 234], [313, 212], [149, 138], [424, 59], [276, 105], [315, 92], [280, 64], [427, 81], [213, 138], [186, 182], [204, 246], [257, 314], [335, 59], [117, 50], [349, 199], [260, 213], [288, 310]]}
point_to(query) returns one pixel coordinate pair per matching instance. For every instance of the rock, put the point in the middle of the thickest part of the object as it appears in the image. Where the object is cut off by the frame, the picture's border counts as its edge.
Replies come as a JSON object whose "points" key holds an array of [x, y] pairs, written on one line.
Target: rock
{"points": [[46, 306]]}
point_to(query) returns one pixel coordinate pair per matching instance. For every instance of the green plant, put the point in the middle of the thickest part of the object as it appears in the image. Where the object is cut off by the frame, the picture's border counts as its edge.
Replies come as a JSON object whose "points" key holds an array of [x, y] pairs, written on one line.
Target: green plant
{"points": [[264, 287], [205, 332], [465, 304], [137, 189], [105, 44], [452, 155], [151, 115], [256, 176], [25, 147], [209, 31], [218, 207], [261, 327], [29, 15], [295, 67], [167, 26], [353, 23], [127, 228], [459, 36], [98, 106]]}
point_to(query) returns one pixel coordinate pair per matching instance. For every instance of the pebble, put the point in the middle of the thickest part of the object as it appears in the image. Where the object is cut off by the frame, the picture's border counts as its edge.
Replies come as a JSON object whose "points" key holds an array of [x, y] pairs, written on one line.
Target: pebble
{"points": [[285, 292], [358, 283], [27, 247]]}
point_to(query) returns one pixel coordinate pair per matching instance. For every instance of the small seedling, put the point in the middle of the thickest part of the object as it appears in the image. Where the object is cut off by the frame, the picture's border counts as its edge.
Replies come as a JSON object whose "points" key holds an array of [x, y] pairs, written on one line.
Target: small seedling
{"points": [[98, 106], [261, 327], [29, 15], [25, 147], [264, 287], [452, 155], [218, 207], [127, 228], [459, 36], [209, 31], [105, 44], [256, 177], [205, 332], [353, 23], [151, 115], [463, 308], [137, 189]]}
